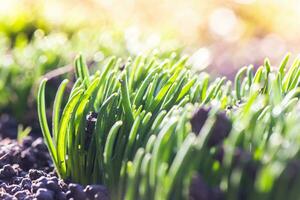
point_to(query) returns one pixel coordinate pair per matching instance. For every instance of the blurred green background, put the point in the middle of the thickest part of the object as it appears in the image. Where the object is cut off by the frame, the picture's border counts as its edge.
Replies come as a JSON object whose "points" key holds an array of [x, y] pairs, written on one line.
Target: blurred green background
{"points": [[37, 36], [224, 34]]}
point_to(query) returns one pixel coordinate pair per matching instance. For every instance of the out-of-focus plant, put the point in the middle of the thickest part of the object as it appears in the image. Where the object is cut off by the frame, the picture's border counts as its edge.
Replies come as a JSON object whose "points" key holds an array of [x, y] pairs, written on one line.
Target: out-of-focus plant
{"points": [[22, 66], [22, 132]]}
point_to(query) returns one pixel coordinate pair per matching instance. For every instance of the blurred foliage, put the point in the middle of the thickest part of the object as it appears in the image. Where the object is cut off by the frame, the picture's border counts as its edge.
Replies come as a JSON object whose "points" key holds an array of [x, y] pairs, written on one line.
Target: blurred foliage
{"points": [[37, 36], [25, 61]]}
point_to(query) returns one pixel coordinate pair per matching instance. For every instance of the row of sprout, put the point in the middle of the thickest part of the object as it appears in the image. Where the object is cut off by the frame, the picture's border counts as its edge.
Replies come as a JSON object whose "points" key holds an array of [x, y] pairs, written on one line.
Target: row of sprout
{"points": [[152, 128]]}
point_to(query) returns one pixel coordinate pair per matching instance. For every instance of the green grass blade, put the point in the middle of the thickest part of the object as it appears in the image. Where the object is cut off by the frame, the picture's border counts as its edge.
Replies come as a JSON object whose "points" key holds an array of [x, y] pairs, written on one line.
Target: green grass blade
{"points": [[61, 139], [43, 121], [57, 108]]}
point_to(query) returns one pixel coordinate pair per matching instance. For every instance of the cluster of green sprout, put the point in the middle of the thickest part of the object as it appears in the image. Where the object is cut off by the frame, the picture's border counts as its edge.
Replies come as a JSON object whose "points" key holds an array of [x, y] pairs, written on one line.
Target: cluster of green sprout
{"points": [[146, 128]]}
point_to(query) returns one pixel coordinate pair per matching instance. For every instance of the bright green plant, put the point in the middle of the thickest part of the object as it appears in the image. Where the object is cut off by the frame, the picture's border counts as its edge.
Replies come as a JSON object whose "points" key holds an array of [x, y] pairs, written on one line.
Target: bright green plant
{"points": [[265, 135], [111, 114], [134, 128]]}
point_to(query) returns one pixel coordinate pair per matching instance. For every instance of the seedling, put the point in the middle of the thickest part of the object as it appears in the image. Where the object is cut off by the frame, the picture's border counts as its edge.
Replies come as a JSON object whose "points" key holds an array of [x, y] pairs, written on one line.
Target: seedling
{"points": [[146, 128]]}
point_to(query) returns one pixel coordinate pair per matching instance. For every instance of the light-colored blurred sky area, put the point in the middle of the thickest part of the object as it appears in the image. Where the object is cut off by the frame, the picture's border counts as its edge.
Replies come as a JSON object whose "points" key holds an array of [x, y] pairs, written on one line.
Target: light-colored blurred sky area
{"points": [[220, 35]]}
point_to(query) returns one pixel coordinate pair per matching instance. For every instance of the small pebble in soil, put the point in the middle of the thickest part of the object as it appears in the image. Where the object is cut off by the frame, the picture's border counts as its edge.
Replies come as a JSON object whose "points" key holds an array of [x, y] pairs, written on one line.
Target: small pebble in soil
{"points": [[76, 192], [7, 171], [22, 194], [35, 174], [44, 194], [26, 183], [98, 192]]}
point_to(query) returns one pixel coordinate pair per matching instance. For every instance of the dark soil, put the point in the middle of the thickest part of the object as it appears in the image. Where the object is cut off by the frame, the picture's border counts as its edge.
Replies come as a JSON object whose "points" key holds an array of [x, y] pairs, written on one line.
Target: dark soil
{"points": [[199, 190], [219, 131], [8, 126], [27, 172]]}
